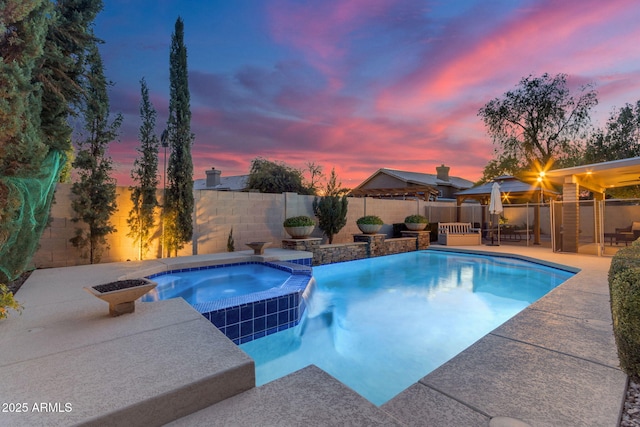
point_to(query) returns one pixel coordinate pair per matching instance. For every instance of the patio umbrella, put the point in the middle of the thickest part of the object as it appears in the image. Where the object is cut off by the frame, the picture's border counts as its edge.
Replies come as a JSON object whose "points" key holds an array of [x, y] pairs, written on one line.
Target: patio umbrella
{"points": [[495, 204]]}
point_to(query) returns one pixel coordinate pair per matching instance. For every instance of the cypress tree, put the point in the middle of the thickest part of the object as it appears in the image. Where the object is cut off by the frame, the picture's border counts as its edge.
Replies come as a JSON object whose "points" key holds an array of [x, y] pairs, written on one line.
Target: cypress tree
{"points": [[41, 44], [179, 200], [95, 191], [62, 68], [24, 29], [145, 169]]}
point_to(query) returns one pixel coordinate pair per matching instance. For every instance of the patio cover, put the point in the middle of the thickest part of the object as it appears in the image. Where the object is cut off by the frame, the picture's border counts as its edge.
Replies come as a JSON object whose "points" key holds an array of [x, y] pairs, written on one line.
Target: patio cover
{"points": [[513, 191], [597, 178], [413, 191]]}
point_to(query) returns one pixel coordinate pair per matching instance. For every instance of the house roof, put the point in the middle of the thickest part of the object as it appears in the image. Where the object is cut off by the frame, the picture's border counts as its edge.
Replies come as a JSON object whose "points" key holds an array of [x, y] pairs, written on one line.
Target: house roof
{"points": [[418, 178], [430, 179], [227, 183]]}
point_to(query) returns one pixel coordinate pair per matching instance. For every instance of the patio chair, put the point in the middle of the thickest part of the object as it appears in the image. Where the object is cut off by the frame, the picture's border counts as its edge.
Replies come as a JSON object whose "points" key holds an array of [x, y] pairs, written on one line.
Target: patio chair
{"points": [[628, 234]]}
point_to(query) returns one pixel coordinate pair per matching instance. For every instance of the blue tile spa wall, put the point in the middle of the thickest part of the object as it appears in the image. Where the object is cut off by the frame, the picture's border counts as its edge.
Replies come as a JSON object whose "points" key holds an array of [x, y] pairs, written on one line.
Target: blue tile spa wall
{"points": [[263, 313], [254, 320]]}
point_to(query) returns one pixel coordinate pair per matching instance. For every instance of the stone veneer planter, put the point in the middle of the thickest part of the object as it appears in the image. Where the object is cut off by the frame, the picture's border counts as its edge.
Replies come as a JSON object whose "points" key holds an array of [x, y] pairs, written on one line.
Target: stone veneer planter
{"points": [[121, 295], [364, 246]]}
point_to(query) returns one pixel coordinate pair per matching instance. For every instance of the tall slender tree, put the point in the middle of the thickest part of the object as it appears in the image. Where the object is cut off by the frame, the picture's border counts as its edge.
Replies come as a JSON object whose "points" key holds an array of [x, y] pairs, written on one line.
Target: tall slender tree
{"points": [[95, 191], [145, 173], [21, 47], [42, 45], [63, 67], [179, 195], [23, 28]]}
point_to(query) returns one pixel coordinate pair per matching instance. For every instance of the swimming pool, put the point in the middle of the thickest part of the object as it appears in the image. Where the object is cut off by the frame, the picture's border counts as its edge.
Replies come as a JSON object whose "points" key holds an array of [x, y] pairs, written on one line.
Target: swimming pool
{"points": [[379, 325]]}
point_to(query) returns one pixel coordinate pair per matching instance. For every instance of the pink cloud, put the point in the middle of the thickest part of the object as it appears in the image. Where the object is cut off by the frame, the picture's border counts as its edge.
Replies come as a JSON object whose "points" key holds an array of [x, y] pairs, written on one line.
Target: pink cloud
{"points": [[364, 84], [536, 40]]}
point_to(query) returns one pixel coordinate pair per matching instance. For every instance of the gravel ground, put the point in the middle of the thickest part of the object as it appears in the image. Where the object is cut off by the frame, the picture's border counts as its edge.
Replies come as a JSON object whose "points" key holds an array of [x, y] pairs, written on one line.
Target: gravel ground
{"points": [[631, 412], [15, 285]]}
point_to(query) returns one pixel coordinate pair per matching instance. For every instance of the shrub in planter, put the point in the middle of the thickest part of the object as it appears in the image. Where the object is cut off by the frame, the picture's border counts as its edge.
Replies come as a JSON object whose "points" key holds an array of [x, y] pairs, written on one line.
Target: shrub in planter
{"points": [[298, 221], [416, 222], [369, 224], [370, 219], [299, 227], [416, 219]]}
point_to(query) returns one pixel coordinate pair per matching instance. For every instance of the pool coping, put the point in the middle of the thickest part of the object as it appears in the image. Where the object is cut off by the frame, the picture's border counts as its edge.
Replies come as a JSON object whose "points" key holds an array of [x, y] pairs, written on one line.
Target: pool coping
{"points": [[554, 363]]}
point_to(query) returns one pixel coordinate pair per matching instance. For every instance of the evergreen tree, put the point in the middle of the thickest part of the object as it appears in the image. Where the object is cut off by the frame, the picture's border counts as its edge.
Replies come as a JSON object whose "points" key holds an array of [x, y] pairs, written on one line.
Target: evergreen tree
{"points": [[42, 46], [141, 217], [619, 139], [331, 209], [63, 67], [24, 29], [538, 122], [179, 201], [276, 177], [95, 191]]}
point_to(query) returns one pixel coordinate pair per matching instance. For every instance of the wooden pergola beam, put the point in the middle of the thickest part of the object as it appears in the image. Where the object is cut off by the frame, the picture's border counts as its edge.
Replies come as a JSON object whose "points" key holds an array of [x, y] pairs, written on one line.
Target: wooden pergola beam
{"points": [[422, 192]]}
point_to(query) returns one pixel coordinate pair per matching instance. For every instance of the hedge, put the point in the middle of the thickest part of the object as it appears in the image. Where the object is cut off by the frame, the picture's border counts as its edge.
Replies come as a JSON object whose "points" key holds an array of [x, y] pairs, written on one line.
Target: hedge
{"points": [[624, 288]]}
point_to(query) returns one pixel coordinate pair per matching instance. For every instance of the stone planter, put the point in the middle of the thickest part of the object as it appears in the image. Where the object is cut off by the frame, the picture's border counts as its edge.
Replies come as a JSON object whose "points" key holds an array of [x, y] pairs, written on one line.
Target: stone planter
{"points": [[415, 226], [301, 232], [369, 228], [121, 295], [258, 247]]}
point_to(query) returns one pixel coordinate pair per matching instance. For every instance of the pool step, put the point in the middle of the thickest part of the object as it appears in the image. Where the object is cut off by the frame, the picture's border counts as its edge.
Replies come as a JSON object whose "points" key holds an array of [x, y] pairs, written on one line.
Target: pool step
{"points": [[309, 396], [147, 368]]}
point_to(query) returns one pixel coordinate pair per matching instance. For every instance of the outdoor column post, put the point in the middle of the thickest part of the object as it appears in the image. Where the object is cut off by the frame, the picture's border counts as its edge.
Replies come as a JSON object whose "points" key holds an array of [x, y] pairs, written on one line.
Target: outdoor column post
{"points": [[536, 225], [536, 215], [570, 215]]}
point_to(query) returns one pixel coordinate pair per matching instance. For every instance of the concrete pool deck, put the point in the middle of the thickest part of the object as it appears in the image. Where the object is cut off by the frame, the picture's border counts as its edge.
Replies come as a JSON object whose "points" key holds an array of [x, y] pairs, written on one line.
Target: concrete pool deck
{"points": [[553, 364]]}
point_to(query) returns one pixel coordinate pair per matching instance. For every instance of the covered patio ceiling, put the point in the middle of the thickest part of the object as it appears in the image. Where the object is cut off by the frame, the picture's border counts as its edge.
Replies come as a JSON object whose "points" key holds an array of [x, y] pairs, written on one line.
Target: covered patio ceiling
{"points": [[598, 177]]}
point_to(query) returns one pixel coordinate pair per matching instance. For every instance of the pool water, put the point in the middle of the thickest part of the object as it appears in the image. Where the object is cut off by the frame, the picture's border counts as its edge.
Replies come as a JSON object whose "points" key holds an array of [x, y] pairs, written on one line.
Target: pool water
{"points": [[379, 325], [213, 284]]}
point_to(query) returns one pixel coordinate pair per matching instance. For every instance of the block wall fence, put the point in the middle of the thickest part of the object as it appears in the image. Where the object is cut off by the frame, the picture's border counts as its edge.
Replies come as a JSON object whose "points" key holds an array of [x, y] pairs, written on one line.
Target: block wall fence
{"points": [[252, 216], [259, 217]]}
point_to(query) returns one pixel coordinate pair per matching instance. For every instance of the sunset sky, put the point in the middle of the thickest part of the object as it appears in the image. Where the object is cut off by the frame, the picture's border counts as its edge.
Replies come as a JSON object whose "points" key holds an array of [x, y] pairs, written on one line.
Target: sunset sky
{"points": [[358, 84]]}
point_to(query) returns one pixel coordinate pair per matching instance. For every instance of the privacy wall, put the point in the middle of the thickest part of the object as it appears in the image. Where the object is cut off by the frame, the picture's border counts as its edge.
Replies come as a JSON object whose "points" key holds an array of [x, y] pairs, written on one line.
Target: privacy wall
{"points": [[259, 217], [251, 216]]}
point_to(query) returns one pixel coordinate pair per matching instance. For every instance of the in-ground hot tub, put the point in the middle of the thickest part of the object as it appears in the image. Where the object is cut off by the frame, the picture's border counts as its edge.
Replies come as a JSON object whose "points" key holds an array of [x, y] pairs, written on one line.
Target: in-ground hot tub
{"points": [[245, 300]]}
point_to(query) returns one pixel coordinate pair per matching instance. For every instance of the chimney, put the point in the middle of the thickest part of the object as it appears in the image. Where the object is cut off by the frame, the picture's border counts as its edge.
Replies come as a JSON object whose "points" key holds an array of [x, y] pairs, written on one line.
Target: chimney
{"points": [[443, 172], [213, 177]]}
